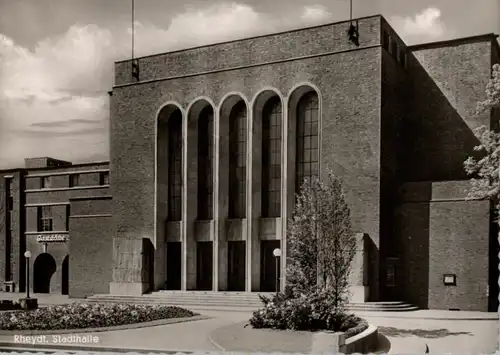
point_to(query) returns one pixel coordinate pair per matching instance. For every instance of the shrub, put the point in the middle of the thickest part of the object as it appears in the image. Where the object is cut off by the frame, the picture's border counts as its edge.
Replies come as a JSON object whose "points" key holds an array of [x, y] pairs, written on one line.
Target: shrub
{"points": [[306, 312], [82, 315]]}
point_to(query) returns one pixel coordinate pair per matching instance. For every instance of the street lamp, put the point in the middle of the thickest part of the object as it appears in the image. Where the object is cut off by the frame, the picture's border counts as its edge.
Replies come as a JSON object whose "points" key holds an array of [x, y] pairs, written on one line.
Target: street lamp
{"points": [[27, 255], [277, 254]]}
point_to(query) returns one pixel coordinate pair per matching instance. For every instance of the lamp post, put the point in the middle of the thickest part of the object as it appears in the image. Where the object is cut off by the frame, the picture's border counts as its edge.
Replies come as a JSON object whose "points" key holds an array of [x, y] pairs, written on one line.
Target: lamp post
{"points": [[277, 254], [27, 255]]}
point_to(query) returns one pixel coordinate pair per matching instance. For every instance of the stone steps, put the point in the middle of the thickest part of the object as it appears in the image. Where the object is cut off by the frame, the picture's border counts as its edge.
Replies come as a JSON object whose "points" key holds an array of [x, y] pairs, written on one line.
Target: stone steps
{"points": [[244, 301]]}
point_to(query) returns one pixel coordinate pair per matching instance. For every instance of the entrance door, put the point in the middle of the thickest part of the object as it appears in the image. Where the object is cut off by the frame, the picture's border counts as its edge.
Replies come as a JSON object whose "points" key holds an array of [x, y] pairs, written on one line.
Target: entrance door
{"points": [[204, 266], [174, 252], [391, 279], [148, 263], [236, 266], [269, 273], [43, 269], [65, 276]]}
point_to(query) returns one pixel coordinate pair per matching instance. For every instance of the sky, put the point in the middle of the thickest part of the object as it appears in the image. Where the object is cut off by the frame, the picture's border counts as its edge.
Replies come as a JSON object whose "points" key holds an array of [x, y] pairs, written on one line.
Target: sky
{"points": [[56, 56]]}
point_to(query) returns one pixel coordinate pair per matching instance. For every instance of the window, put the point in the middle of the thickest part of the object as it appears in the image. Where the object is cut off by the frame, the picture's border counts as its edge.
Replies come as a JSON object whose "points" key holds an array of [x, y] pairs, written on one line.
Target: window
{"points": [[104, 178], [74, 180], [205, 164], [402, 57], [45, 218], [394, 48], [271, 158], [307, 139], [237, 161], [386, 39], [45, 182], [8, 193], [67, 217], [175, 166]]}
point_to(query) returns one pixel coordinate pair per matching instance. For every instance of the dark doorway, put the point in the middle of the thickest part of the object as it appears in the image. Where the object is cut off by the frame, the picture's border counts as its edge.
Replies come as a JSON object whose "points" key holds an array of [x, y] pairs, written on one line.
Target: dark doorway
{"points": [[494, 249], [391, 279], [65, 276], [148, 263], [174, 265], [269, 273], [204, 266], [236, 266], [43, 269]]}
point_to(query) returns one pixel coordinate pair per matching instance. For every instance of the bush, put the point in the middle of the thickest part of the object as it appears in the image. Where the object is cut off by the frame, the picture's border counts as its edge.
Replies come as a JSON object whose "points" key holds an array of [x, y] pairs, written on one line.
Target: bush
{"points": [[306, 312], [82, 315]]}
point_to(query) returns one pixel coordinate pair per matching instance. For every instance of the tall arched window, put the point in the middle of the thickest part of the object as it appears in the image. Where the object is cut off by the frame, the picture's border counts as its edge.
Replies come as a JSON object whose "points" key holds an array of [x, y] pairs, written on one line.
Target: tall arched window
{"points": [[175, 166], [205, 164], [307, 139], [237, 161], [271, 158]]}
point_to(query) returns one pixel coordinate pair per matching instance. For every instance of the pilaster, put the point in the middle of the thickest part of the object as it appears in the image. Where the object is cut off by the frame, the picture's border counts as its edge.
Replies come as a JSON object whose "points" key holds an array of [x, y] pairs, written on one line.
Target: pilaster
{"points": [[249, 201]]}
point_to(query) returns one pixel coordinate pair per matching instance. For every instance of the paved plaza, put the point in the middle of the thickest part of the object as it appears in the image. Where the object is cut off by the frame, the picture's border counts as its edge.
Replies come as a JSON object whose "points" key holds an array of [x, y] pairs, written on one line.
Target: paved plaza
{"points": [[400, 332]]}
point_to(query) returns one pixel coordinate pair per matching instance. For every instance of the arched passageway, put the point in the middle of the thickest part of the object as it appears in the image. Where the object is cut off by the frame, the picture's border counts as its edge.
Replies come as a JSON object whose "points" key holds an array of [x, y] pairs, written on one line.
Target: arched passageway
{"points": [[43, 269]]}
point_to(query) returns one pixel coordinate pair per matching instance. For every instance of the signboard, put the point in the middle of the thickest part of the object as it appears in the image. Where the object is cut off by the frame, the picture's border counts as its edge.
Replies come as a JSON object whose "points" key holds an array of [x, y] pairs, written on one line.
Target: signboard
{"points": [[52, 238], [449, 279]]}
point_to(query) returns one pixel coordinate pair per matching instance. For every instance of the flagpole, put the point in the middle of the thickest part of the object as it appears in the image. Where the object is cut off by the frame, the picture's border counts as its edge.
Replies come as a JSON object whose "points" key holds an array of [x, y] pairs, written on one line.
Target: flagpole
{"points": [[350, 12], [133, 28], [135, 65]]}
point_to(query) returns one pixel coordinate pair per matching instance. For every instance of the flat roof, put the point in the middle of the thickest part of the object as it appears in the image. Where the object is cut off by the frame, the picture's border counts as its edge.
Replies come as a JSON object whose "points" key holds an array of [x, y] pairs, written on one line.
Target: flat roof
{"points": [[455, 41], [67, 167], [253, 37]]}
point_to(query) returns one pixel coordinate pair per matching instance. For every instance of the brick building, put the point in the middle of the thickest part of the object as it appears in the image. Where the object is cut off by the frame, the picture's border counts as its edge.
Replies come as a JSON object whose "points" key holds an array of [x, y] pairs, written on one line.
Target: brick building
{"points": [[52, 208], [209, 144]]}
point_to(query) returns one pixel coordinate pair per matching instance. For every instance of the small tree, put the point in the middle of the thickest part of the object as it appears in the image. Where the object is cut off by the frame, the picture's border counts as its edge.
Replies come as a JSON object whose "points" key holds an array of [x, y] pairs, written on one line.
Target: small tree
{"points": [[485, 169], [321, 247], [321, 242]]}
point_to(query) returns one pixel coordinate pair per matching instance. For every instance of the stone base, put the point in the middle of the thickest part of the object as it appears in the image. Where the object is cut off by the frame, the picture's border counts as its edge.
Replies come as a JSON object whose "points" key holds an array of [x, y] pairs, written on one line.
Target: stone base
{"points": [[359, 294], [28, 303], [127, 288], [328, 342]]}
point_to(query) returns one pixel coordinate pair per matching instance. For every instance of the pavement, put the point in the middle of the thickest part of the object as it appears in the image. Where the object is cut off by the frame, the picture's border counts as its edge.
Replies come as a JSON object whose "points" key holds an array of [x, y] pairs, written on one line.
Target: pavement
{"points": [[400, 332]]}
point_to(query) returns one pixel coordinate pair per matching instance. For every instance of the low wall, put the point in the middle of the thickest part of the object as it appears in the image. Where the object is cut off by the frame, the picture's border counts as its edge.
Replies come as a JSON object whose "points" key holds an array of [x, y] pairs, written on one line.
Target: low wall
{"points": [[364, 342], [329, 342]]}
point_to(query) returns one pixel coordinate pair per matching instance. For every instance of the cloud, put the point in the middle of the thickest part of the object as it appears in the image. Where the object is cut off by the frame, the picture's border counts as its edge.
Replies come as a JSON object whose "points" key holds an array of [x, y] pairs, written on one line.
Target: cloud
{"points": [[315, 14], [53, 98], [424, 26]]}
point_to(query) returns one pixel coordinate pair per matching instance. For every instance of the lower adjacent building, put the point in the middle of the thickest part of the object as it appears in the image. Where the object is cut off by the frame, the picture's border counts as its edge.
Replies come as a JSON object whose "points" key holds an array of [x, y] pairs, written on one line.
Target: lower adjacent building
{"points": [[57, 211], [209, 145]]}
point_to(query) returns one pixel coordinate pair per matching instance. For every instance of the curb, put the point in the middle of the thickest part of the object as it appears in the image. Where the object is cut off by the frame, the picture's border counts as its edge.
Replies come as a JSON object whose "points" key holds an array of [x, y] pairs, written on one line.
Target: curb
{"points": [[399, 316], [44, 347], [104, 329]]}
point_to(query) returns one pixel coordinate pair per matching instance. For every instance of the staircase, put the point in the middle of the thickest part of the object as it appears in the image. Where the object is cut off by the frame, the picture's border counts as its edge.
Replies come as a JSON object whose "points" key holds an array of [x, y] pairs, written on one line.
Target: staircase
{"points": [[230, 301]]}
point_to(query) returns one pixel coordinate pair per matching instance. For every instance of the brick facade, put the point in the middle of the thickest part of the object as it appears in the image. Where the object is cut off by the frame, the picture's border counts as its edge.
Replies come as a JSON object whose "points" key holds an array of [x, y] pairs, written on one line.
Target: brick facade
{"points": [[52, 262], [395, 123]]}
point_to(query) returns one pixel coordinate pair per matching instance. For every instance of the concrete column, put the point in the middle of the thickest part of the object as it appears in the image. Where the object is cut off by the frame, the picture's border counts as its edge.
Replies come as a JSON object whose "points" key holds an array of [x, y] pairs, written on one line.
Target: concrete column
{"points": [[191, 196], [161, 189], [284, 190], [221, 192], [184, 263], [249, 200], [216, 258]]}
